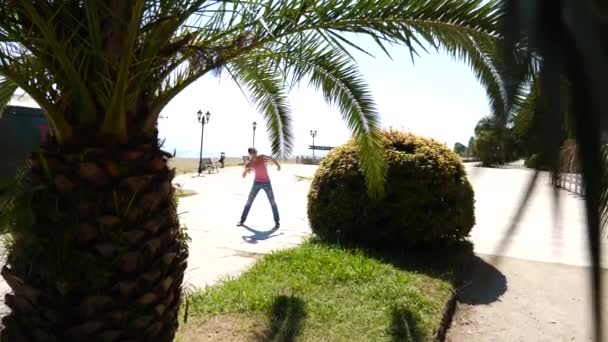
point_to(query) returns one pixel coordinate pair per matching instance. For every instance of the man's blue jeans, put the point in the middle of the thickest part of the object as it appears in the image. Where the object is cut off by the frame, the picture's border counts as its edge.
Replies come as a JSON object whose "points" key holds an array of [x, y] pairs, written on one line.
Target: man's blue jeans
{"points": [[267, 187]]}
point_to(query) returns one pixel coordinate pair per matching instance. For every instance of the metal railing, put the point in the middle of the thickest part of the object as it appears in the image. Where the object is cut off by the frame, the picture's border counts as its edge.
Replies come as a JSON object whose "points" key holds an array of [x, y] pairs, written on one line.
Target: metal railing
{"points": [[572, 182]]}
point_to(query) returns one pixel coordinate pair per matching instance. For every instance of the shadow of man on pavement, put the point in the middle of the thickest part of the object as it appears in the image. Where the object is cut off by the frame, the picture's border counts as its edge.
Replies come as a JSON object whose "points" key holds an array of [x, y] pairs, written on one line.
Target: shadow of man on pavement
{"points": [[259, 235]]}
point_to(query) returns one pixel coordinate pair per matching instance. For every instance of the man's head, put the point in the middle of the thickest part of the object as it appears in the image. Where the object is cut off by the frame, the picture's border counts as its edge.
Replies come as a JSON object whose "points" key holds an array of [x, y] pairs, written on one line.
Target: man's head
{"points": [[252, 152]]}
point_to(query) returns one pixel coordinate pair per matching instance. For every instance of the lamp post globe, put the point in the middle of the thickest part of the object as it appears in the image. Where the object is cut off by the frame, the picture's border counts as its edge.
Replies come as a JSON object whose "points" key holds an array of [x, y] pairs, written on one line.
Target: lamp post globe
{"points": [[313, 134]]}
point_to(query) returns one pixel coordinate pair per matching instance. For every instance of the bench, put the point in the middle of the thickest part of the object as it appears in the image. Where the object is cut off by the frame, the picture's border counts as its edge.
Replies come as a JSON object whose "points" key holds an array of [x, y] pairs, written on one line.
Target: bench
{"points": [[210, 165]]}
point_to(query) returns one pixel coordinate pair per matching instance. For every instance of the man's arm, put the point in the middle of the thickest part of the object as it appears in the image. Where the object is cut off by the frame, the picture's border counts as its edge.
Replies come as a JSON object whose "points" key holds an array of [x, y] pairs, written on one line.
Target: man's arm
{"points": [[247, 169], [274, 161]]}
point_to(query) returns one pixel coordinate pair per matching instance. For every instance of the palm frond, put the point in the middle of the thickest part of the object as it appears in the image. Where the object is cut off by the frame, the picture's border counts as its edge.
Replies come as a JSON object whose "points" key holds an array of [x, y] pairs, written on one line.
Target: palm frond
{"points": [[115, 120], [7, 90], [172, 44], [55, 49], [342, 86], [268, 92], [467, 30], [604, 194], [333, 74]]}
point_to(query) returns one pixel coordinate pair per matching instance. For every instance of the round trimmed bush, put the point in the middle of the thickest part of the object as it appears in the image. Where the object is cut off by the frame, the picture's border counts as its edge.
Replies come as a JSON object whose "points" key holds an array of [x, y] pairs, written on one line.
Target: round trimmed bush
{"points": [[428, 198], [532, 161], [538, 162]]}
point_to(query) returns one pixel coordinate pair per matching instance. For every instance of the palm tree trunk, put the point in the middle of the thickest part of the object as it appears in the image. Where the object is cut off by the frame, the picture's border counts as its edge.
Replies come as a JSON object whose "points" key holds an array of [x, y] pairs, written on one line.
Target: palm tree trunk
{"points": [[97, 253]]}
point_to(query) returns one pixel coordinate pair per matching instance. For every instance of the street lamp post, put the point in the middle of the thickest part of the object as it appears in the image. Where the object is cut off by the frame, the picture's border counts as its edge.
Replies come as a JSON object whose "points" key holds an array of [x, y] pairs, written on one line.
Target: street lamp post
{"points": [[203, 119], [313, 134], [255, 125]]}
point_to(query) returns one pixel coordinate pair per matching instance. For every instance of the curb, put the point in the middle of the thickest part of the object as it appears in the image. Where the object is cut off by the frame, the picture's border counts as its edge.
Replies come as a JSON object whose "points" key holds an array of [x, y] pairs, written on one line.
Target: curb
{"points": [[448, 315], [450, 308]]}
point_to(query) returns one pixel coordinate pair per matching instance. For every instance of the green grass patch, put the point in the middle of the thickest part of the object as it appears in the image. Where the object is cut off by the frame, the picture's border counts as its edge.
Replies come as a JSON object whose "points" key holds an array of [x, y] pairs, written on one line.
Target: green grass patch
{"points": [[317, 292], [300, 178], [185, 192]]}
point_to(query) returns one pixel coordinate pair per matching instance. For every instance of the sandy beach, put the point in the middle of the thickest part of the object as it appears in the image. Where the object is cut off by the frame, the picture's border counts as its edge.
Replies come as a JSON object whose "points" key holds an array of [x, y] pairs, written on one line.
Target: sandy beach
{"points": [[186, 165]]}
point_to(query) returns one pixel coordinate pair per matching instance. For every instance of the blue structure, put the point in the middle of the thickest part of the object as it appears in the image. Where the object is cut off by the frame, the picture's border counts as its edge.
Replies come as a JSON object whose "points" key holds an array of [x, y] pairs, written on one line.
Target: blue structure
{"points": [[22, 130]]}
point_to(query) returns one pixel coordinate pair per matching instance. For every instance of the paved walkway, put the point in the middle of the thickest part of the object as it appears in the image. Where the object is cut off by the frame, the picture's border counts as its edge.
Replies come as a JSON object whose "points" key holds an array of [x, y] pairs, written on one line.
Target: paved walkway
{"points": [[515, 300], [535, 289], [540, 236], [221, 249]]}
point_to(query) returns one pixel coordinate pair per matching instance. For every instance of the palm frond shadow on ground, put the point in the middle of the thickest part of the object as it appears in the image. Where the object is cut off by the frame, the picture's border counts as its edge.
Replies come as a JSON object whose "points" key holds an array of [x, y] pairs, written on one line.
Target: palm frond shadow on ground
{"points": [[521, 209], [286, 317], [404, 326]]}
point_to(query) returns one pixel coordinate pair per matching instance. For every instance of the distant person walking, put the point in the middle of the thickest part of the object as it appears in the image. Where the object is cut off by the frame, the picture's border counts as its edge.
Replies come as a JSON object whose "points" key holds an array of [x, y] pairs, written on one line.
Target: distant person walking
{"points": [[257, 163], [222, 159]]}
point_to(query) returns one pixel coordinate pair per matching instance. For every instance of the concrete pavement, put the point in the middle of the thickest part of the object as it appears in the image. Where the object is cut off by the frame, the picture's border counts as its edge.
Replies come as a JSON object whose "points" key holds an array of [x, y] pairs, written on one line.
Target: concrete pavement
{"points": [[535, 289], [553, 295], [219, 248], [515, 300], [540, 236]]}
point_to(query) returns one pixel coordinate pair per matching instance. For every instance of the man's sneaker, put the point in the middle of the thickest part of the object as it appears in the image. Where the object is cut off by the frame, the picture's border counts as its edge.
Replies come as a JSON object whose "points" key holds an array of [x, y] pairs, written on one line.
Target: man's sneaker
{"points": [[240, 224]]}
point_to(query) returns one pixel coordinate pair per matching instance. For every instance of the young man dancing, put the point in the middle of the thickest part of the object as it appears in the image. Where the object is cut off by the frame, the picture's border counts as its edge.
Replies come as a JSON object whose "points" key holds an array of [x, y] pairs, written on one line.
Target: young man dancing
{"points": [[261, 182]]}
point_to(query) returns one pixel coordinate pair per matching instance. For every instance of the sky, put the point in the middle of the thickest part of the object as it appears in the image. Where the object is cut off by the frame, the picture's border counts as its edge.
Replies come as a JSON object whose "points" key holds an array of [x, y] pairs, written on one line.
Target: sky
{"points": [[435, 97]]}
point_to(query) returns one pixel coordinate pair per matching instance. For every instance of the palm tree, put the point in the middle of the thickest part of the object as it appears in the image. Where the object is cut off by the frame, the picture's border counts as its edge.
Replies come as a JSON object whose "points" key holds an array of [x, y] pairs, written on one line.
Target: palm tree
{"points": [[487, 123], [96, 250], [565, 42]]}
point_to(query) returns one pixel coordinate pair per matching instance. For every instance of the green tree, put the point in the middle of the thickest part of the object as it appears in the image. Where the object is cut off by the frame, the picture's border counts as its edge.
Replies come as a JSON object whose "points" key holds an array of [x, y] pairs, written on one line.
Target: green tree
{"points": [[522, 123], [528, 127], [487, 123], [471, 148], [488, 146], [495, 143], [460, 149], [96, 250]]}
